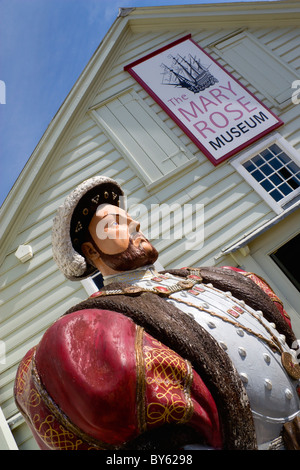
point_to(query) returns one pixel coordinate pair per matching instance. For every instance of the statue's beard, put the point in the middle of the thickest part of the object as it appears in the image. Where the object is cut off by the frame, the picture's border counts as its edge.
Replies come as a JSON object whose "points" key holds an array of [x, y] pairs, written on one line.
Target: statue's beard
{"points": [[132, 258]]}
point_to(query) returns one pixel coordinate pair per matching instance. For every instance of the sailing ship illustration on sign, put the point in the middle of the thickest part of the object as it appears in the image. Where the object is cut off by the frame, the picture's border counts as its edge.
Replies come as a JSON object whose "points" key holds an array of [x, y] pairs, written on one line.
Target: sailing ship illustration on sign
{"points": [[190, 74]]}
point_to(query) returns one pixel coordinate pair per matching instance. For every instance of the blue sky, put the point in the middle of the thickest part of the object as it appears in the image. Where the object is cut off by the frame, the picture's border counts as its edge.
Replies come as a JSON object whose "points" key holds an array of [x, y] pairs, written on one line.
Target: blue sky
{"points": [[44, 46]]}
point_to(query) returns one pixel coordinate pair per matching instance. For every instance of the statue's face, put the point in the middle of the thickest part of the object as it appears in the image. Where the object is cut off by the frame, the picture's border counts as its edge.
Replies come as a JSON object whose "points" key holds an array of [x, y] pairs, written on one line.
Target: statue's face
{"points": [[119, 241]]}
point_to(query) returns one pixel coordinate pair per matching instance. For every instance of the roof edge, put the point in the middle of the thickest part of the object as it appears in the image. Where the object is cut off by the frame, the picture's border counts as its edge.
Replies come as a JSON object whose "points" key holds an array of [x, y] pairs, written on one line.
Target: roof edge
{"points": [[123, 12], [216, 14], [242, 6], [252, 235]]}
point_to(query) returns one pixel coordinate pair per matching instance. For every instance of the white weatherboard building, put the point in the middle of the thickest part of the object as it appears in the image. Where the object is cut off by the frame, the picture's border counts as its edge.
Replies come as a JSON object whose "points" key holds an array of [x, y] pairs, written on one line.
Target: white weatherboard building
{"points": [[246, 207]]}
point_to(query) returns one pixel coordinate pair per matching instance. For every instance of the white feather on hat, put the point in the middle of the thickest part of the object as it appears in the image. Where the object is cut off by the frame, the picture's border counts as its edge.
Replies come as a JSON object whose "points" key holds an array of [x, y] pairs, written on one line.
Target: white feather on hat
{"points": [[72, 264]]}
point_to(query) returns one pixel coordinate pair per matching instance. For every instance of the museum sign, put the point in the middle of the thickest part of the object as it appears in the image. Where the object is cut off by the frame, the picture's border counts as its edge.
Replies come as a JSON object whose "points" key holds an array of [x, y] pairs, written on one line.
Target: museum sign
{"points": [[213, 108]]}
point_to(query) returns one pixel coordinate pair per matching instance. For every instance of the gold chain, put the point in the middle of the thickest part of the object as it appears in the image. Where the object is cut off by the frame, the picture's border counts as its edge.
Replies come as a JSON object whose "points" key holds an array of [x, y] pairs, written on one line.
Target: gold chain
{"points": [[292, 368], [273, 344]]}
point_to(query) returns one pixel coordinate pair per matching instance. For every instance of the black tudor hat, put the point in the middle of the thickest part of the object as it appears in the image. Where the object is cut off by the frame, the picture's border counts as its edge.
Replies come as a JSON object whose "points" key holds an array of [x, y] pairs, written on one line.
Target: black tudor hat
{"points": [[72, 221]]}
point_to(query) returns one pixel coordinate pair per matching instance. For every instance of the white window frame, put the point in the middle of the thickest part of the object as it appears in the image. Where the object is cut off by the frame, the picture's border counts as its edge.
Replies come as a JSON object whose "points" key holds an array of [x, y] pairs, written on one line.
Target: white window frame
{"points": [[238, 161], [7, 440]]}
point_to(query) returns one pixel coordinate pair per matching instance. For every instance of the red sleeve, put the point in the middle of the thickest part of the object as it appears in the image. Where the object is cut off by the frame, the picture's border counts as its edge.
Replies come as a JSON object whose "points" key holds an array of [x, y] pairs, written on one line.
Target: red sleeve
{"points": [[110, 380]]}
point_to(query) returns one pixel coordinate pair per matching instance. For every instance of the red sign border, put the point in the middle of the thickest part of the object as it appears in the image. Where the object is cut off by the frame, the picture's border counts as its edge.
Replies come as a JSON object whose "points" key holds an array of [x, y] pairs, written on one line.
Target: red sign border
{"points": [[129, 68]]}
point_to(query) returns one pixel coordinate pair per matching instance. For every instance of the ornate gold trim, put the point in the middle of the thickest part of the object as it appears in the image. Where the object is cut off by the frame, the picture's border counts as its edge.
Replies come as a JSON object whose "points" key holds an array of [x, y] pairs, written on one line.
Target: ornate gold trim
{"points": [[140, 380], [187, 391], [60, 416]]}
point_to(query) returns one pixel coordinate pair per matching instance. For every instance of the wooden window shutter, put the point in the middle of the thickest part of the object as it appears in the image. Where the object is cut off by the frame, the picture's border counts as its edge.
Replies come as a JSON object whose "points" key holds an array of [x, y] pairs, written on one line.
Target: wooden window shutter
{"points": [[266, 71], [150, 146]]}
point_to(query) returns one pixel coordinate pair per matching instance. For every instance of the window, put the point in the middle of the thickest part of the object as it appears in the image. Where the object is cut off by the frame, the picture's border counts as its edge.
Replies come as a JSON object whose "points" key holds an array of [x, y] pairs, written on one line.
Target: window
{"points": [[266, 71], [286, 258], [273, 170], [151, 148]]}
